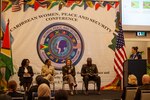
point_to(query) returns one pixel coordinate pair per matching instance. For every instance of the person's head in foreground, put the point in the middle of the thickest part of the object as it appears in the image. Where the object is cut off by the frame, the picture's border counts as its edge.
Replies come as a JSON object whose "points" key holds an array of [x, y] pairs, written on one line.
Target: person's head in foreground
{"points": [[61, 95], [5, 97], [132, 80], [12, 85], [146, 79], [44, 92]]}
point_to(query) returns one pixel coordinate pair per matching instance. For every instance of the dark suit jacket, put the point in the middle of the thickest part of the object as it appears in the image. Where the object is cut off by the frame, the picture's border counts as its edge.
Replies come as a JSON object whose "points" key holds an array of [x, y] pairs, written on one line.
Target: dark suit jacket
{"points": [[137, 55], [44, 98], [21, 72], [32, 89], [138, 93], [35, 88], [15, 94], [89, 69], [65, 71]]}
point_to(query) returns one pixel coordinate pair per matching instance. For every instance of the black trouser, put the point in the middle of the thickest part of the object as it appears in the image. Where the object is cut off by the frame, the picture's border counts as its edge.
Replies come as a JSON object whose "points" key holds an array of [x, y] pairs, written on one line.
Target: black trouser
{"points": [[97, 79]]}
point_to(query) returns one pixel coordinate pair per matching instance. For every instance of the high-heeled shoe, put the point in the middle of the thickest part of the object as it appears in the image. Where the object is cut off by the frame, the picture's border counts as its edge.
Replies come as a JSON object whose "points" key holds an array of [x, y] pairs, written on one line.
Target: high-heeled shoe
{"points": [[75, 85]]}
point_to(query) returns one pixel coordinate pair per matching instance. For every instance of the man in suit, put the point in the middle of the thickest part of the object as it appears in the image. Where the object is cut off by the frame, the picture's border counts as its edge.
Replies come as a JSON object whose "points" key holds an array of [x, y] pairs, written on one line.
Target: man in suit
{"points": [[145, 86], [89, 72]]}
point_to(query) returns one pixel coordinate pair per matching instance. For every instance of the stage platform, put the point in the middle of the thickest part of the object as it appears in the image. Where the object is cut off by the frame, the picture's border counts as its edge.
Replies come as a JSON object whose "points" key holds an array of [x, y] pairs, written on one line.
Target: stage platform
{"points": [[105, 95]]}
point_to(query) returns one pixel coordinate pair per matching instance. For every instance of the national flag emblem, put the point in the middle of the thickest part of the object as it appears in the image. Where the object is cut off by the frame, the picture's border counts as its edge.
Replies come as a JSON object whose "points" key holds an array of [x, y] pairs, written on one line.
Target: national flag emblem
{"points": [[6, 54], [120, 54]]}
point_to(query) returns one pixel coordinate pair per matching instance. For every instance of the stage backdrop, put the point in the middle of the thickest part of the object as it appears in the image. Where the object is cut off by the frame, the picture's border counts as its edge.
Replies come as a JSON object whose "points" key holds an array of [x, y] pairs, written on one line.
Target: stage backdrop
{"points": [[57, 30]]}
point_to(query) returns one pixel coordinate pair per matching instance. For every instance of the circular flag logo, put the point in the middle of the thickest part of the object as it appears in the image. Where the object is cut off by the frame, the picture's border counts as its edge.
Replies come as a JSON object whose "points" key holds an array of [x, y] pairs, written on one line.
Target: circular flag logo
{"points": [[58, 42]]}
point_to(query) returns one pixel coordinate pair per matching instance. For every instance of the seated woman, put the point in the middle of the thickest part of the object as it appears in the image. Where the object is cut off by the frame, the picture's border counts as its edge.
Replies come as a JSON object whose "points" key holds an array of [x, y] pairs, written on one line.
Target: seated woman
{"points": [[132, 82], [12, 86], [44, 92], [48, 71], [135, 53], [69, 75], [25, 74]]}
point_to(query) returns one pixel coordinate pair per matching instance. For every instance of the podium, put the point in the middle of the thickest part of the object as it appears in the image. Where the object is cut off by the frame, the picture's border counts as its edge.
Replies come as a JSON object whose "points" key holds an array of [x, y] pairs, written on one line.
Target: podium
{"points": [[136, 67]]}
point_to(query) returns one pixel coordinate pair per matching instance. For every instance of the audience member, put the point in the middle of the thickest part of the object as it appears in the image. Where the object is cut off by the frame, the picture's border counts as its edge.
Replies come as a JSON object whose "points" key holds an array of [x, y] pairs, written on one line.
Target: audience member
{"points": [[25, 74], [12, 86], [61, 95], [5, 97], [48, 71], [39, 80], [132, 82], [145, 86], [89, 72], [44, 92], [69, 75]]}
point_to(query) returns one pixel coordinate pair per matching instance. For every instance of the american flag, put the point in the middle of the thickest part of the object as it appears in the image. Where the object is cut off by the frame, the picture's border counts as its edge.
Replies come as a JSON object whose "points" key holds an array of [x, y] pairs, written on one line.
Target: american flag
{"points": [[120, 54]]}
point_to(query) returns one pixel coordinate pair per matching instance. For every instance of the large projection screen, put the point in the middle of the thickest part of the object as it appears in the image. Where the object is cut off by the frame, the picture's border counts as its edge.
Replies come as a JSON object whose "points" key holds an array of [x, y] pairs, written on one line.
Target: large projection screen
{"points": [[135, 15]]}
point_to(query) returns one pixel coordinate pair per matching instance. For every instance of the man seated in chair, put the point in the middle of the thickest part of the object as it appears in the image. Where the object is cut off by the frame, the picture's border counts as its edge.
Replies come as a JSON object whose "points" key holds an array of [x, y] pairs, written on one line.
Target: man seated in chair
{"points": [[48, 71], [145, 86], [69, 75], [89, 72]]}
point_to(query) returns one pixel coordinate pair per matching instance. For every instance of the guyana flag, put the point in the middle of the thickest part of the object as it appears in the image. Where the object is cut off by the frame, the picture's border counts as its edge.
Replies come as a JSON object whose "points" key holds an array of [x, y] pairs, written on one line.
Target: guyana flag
{"points": [[5, 56]]}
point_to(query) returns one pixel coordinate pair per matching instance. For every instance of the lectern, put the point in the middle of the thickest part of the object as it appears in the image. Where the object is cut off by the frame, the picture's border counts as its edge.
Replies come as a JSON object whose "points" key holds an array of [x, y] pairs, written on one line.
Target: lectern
{"points": [[136, 67]]}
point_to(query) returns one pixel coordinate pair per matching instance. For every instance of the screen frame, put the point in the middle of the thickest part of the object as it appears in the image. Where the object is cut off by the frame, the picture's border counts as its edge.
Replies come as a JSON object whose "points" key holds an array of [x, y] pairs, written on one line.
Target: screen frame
{"points": [[134, 28]]}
